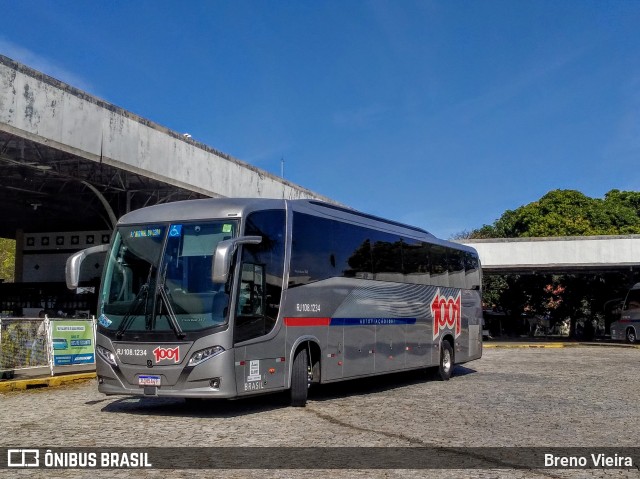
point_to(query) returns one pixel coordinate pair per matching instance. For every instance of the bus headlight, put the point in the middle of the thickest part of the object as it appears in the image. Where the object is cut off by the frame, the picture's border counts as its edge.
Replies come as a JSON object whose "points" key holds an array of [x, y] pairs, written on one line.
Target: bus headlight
{"points": [[107, 355], [205, 354]]}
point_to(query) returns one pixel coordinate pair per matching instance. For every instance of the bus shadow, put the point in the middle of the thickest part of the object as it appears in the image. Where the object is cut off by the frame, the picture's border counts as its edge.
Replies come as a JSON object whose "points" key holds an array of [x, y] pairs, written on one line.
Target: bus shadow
{"points": [[224, 408], [198, 408], [382, 383]]}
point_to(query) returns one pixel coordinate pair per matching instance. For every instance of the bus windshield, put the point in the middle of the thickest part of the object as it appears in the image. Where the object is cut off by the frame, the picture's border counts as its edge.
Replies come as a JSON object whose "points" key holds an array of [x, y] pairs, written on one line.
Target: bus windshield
{"points": [[158, 279], [632, 302]]}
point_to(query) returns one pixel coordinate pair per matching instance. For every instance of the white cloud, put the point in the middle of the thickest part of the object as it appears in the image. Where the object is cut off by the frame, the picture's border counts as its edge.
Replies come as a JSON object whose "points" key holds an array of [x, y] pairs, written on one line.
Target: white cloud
{"points": [[44, 65], [510, 88]]}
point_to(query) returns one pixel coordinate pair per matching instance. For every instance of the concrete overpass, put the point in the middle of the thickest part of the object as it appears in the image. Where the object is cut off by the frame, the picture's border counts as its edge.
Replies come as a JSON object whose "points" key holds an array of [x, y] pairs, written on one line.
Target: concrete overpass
{"points": [[559, 254], [72, 162]]}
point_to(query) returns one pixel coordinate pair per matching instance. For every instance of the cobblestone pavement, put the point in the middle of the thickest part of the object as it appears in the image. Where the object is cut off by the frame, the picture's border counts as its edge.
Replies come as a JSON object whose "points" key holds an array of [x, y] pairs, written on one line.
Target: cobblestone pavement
{"points": [[582, 397]]}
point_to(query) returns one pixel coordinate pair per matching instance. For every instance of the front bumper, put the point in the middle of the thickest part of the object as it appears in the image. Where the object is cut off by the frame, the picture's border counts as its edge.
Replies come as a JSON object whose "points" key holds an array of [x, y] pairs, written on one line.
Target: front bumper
{"points": [[175, 381]]}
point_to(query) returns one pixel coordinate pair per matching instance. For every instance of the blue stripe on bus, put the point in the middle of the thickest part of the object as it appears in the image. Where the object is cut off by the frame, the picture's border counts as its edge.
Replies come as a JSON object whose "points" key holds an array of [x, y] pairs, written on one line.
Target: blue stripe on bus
{"points": [[370, 321]]}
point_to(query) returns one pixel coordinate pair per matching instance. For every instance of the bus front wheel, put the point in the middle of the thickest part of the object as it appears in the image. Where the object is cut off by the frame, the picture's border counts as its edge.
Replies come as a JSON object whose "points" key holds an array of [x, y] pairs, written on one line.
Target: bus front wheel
{"points": [[300, 379], [446, 361]]}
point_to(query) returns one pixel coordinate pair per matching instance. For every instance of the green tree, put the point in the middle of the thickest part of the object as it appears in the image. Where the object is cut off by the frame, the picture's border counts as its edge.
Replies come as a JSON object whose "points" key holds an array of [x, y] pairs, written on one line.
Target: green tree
{"points": [[561, 213], [629, 199], [569, 213], [7, 259]]}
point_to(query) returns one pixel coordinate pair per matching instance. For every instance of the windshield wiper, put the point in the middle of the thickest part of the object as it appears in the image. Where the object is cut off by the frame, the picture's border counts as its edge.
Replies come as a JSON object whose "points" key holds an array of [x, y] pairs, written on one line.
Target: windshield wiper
{"points": [[161, 290], [133, 309]]}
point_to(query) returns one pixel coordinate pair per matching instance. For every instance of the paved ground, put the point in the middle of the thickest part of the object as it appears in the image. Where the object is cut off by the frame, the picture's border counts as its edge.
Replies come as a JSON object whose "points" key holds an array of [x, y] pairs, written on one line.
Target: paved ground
{"points": [[582, 397]]}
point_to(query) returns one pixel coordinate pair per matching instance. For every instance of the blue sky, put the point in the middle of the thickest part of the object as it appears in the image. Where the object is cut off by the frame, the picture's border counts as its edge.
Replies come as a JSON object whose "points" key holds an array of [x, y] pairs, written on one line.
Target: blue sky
{"points": [[442, 114]]}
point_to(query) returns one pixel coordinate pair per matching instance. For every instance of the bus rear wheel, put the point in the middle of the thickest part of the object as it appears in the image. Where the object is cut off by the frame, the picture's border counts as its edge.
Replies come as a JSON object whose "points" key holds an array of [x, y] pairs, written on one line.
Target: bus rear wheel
{"points": [[631, 335], [446, 361], [300, 379]]}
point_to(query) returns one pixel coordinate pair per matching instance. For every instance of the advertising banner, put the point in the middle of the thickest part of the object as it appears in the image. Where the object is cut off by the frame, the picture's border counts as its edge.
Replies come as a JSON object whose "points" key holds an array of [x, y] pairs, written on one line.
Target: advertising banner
{"points": [[73, 342]]}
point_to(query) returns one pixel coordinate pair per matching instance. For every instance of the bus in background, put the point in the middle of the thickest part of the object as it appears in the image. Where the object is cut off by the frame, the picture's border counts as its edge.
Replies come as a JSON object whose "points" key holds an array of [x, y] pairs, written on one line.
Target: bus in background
{"points": [[627, 327], [221, 298]]}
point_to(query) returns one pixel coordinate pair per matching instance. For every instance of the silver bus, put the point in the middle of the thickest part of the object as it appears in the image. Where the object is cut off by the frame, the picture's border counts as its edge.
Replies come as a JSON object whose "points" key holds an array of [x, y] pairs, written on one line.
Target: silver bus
{"points": [[222, 298], [628, 326]]}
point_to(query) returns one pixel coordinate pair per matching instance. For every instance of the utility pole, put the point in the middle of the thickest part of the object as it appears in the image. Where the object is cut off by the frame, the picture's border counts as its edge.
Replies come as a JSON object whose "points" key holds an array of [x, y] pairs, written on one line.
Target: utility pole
{"points": [[282, 167]]}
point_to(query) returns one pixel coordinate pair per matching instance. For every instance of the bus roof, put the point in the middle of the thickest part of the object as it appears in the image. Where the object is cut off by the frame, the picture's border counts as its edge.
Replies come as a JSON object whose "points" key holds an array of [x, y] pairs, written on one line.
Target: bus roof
{"points": [[199, 210], [231, 208]]}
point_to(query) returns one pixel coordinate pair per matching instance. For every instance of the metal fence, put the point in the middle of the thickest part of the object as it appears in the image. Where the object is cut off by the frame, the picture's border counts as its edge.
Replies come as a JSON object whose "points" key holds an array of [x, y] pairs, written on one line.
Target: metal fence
{"points": [[35, 342]]}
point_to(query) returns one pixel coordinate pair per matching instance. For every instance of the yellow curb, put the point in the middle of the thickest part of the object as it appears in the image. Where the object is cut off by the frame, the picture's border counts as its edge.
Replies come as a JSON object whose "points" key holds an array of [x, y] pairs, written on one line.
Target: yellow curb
{"points": [[22, 384], [528, 346], [556, 346]]}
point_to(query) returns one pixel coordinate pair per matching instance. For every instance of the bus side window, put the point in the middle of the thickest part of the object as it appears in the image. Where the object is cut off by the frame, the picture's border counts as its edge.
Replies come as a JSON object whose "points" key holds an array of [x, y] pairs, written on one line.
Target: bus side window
{"points": [[439, 266], [472, 271], [353, 251], [416, 262], [250, 317], [455, 267], [312, 254], [252, 288], [387, 258]]}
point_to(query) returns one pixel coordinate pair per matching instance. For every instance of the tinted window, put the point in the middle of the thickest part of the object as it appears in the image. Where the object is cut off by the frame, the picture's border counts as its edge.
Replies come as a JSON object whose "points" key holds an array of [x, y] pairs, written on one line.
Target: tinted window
{"points": [[353, 251], [387, 257], [455, 266], [312, 252], [472, 270], [415, 257], [324, 248], [416, 261], [439, 267]]}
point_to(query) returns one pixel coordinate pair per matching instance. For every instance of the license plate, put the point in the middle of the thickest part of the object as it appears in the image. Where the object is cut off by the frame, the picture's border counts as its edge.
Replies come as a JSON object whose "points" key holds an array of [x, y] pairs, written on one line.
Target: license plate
{"points": [[148, 380]]}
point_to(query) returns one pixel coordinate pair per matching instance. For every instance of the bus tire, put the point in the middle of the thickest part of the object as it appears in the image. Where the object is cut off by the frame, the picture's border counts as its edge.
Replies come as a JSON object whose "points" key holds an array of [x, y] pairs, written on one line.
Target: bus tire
{"points": [[631, 335], [300, 379], [446, 361]]}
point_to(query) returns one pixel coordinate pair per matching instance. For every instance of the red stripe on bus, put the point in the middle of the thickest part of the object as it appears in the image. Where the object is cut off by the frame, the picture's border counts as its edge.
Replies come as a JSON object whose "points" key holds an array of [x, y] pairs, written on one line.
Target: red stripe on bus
{"points": [[307, 321]]}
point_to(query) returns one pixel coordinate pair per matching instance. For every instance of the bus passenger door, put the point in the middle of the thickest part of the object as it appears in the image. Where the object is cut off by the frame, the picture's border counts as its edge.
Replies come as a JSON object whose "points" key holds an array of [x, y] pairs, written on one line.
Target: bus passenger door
{"points": [[259, 365], [258, 341]]}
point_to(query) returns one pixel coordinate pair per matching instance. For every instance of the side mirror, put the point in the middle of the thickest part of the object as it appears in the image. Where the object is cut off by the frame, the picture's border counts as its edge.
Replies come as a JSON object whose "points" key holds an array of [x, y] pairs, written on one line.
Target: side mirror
{"points": [[72, 268], [224, 253]]}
